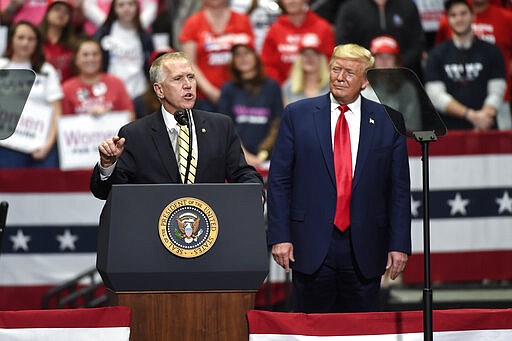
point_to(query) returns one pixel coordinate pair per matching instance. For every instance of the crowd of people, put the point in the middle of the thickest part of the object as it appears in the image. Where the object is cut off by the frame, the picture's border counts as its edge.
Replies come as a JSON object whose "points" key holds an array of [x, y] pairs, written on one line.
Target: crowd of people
{"points": [[251, 59]]}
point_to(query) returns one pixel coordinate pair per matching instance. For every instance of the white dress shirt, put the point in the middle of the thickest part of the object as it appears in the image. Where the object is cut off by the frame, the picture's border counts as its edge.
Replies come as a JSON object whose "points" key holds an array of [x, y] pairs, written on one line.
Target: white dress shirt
{"points": [[353, 117], [172, 130]]}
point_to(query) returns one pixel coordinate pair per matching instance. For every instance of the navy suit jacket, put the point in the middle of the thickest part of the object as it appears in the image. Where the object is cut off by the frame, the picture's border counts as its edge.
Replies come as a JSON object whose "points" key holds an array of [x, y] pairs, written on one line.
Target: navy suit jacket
{"points": [[149, 158], [302, 187]]}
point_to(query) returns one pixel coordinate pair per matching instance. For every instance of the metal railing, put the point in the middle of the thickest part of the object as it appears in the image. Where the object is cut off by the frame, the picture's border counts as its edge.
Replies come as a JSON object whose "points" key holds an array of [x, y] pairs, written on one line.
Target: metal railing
{"points": [[86, 290]]}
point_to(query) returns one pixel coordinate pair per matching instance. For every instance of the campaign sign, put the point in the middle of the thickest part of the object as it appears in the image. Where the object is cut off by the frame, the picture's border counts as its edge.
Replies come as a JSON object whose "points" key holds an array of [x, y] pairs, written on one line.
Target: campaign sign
{"points": [[79, 137], [32, 128]]}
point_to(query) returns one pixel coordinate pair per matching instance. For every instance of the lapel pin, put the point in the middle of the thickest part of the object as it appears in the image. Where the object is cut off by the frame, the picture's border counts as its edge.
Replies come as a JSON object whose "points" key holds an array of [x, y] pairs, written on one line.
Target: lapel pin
{"points": [[372, 121], [203, 130]]}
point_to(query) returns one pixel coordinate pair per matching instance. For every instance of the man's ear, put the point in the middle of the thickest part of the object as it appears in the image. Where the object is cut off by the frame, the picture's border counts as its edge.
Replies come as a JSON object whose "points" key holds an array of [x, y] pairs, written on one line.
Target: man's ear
{"points": [[157, 87], [365, 84]]}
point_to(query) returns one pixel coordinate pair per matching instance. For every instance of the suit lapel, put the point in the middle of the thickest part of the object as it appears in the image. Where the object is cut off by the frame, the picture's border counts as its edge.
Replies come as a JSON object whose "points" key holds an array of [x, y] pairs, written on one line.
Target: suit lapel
{"points": [[163, 146], [323, 131], [365, 139], [202, 143]]}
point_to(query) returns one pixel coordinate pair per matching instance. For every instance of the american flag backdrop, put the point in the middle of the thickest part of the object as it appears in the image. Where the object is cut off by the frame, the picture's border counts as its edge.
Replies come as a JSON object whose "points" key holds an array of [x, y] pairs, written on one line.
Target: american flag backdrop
{"points": [[53, 219], [50, 235], [470, 175]]}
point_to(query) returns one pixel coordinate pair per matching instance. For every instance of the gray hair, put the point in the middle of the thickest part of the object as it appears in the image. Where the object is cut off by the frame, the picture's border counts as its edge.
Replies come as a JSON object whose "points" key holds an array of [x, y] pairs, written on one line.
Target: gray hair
{"points": [[155, 71]]}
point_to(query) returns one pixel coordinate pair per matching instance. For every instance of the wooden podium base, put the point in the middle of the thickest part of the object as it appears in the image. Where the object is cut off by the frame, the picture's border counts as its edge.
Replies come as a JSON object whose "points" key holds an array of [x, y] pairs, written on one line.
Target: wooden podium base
{"points": [[187, 316]]}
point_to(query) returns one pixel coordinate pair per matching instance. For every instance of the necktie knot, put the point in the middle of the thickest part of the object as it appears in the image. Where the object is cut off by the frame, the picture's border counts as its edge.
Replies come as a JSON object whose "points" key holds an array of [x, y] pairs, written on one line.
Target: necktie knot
{"points": [[343, 108]]}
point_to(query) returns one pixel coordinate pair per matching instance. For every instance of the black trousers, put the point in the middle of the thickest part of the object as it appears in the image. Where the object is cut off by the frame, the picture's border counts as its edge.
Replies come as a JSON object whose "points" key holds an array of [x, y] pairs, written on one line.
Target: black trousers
{"points": [[337, 286]]}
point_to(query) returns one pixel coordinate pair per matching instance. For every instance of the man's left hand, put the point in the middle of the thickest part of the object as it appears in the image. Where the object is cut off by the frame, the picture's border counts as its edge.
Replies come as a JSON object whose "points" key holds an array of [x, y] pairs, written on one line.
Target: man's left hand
{"points": [[396, 263]]}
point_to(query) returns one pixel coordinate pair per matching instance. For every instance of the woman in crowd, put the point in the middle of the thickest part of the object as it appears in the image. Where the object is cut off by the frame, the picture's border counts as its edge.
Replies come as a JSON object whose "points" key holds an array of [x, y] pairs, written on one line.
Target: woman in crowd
{"points": [[127, 48], [281, 44], [58, 36], [254, 102], [24, 51], [309, 75], [93, 91], [207, 37], [96, 12]]}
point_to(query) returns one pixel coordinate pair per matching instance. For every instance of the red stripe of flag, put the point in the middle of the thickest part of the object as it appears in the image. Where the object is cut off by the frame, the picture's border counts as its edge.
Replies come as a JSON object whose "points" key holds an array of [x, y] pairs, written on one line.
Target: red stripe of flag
{"points": [[380, 323], [460, 266], [46, 180], [118, 316], [466, 143]]}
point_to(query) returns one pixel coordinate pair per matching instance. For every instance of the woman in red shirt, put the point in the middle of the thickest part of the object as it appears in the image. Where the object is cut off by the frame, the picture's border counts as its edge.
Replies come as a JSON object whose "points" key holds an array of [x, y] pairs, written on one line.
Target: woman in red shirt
{"points": [[93, 91]]}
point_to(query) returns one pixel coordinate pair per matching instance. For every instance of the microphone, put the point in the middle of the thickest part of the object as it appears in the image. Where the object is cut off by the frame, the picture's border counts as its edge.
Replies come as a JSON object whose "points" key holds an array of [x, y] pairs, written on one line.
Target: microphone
{"points": [[181, 117]]}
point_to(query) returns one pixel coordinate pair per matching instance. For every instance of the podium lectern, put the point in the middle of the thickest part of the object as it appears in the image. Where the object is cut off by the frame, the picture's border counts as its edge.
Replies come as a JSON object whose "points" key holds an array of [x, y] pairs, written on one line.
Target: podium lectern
{"points": [[184, 279]]}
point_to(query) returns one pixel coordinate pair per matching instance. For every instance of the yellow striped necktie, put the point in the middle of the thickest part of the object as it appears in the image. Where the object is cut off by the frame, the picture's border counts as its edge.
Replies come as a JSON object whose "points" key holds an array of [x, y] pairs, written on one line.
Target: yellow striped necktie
{"points": [[183, 151]]}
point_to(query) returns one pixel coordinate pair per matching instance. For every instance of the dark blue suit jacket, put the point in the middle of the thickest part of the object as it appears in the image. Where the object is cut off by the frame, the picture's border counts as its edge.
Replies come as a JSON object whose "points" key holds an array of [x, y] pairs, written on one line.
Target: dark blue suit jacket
{"points": [[302, 187], [148, 157]]}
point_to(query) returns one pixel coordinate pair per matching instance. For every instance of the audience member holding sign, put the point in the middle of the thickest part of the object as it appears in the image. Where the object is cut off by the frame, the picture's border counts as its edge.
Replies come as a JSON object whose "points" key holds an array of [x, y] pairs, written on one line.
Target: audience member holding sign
{"points": [[93, 91], [95, 105], [33, 143]]}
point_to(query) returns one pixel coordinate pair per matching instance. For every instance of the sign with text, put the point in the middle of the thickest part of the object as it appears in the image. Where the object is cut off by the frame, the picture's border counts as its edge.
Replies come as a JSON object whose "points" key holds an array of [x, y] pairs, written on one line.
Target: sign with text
{"points": [[32, 128], [80, 135]]}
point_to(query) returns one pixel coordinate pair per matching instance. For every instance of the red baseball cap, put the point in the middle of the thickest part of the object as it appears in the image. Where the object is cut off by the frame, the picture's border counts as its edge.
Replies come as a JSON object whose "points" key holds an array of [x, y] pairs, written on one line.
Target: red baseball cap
{"points": [[384, 44], [310, 41]]}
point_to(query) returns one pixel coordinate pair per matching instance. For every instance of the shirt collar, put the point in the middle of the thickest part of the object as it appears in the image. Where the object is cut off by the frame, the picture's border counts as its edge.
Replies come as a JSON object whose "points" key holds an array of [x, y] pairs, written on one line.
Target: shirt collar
{"points": [[169, 120], [352, 106]]}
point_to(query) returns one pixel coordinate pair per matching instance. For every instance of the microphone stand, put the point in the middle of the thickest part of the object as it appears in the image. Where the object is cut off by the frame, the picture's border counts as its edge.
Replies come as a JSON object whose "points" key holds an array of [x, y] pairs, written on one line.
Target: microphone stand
{"points": [[424, 138], [3, 217]]}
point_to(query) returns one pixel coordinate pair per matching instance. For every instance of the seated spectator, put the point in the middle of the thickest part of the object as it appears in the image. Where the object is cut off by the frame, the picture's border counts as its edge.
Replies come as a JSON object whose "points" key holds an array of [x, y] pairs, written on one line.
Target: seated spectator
{"points": [[398, 92], [162, 30], [254, 102], [261, 13], [58, 36], [92, 91], [96, 12], [465, 76], [309, 75], [491, 24], [207, 37], [24, 51], [127, 48], [281, 45], [359, 21]]}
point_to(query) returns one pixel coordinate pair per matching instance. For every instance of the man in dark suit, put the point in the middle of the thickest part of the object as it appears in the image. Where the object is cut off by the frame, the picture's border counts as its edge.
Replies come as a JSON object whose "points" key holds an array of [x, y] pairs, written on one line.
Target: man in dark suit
{"points": [[339, 235], [146, 150]]}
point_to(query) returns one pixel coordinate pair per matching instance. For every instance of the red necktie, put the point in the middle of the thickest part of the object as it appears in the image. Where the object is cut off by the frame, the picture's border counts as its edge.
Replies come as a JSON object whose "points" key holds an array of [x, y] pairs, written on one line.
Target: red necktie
{"points": [[343, 170]]}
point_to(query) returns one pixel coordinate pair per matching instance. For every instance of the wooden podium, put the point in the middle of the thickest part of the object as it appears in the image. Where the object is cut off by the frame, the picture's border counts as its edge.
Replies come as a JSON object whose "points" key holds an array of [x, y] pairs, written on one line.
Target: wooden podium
{"points": [[173, 295]]}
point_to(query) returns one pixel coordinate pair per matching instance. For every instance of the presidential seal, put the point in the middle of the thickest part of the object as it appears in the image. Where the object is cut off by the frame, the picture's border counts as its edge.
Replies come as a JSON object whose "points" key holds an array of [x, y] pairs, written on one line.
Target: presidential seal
{"points": [[188, 227]]}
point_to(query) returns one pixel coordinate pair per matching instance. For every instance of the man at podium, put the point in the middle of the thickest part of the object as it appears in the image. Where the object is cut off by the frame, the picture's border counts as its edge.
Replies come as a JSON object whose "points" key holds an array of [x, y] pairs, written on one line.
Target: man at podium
{"points": [[158, 148]]}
